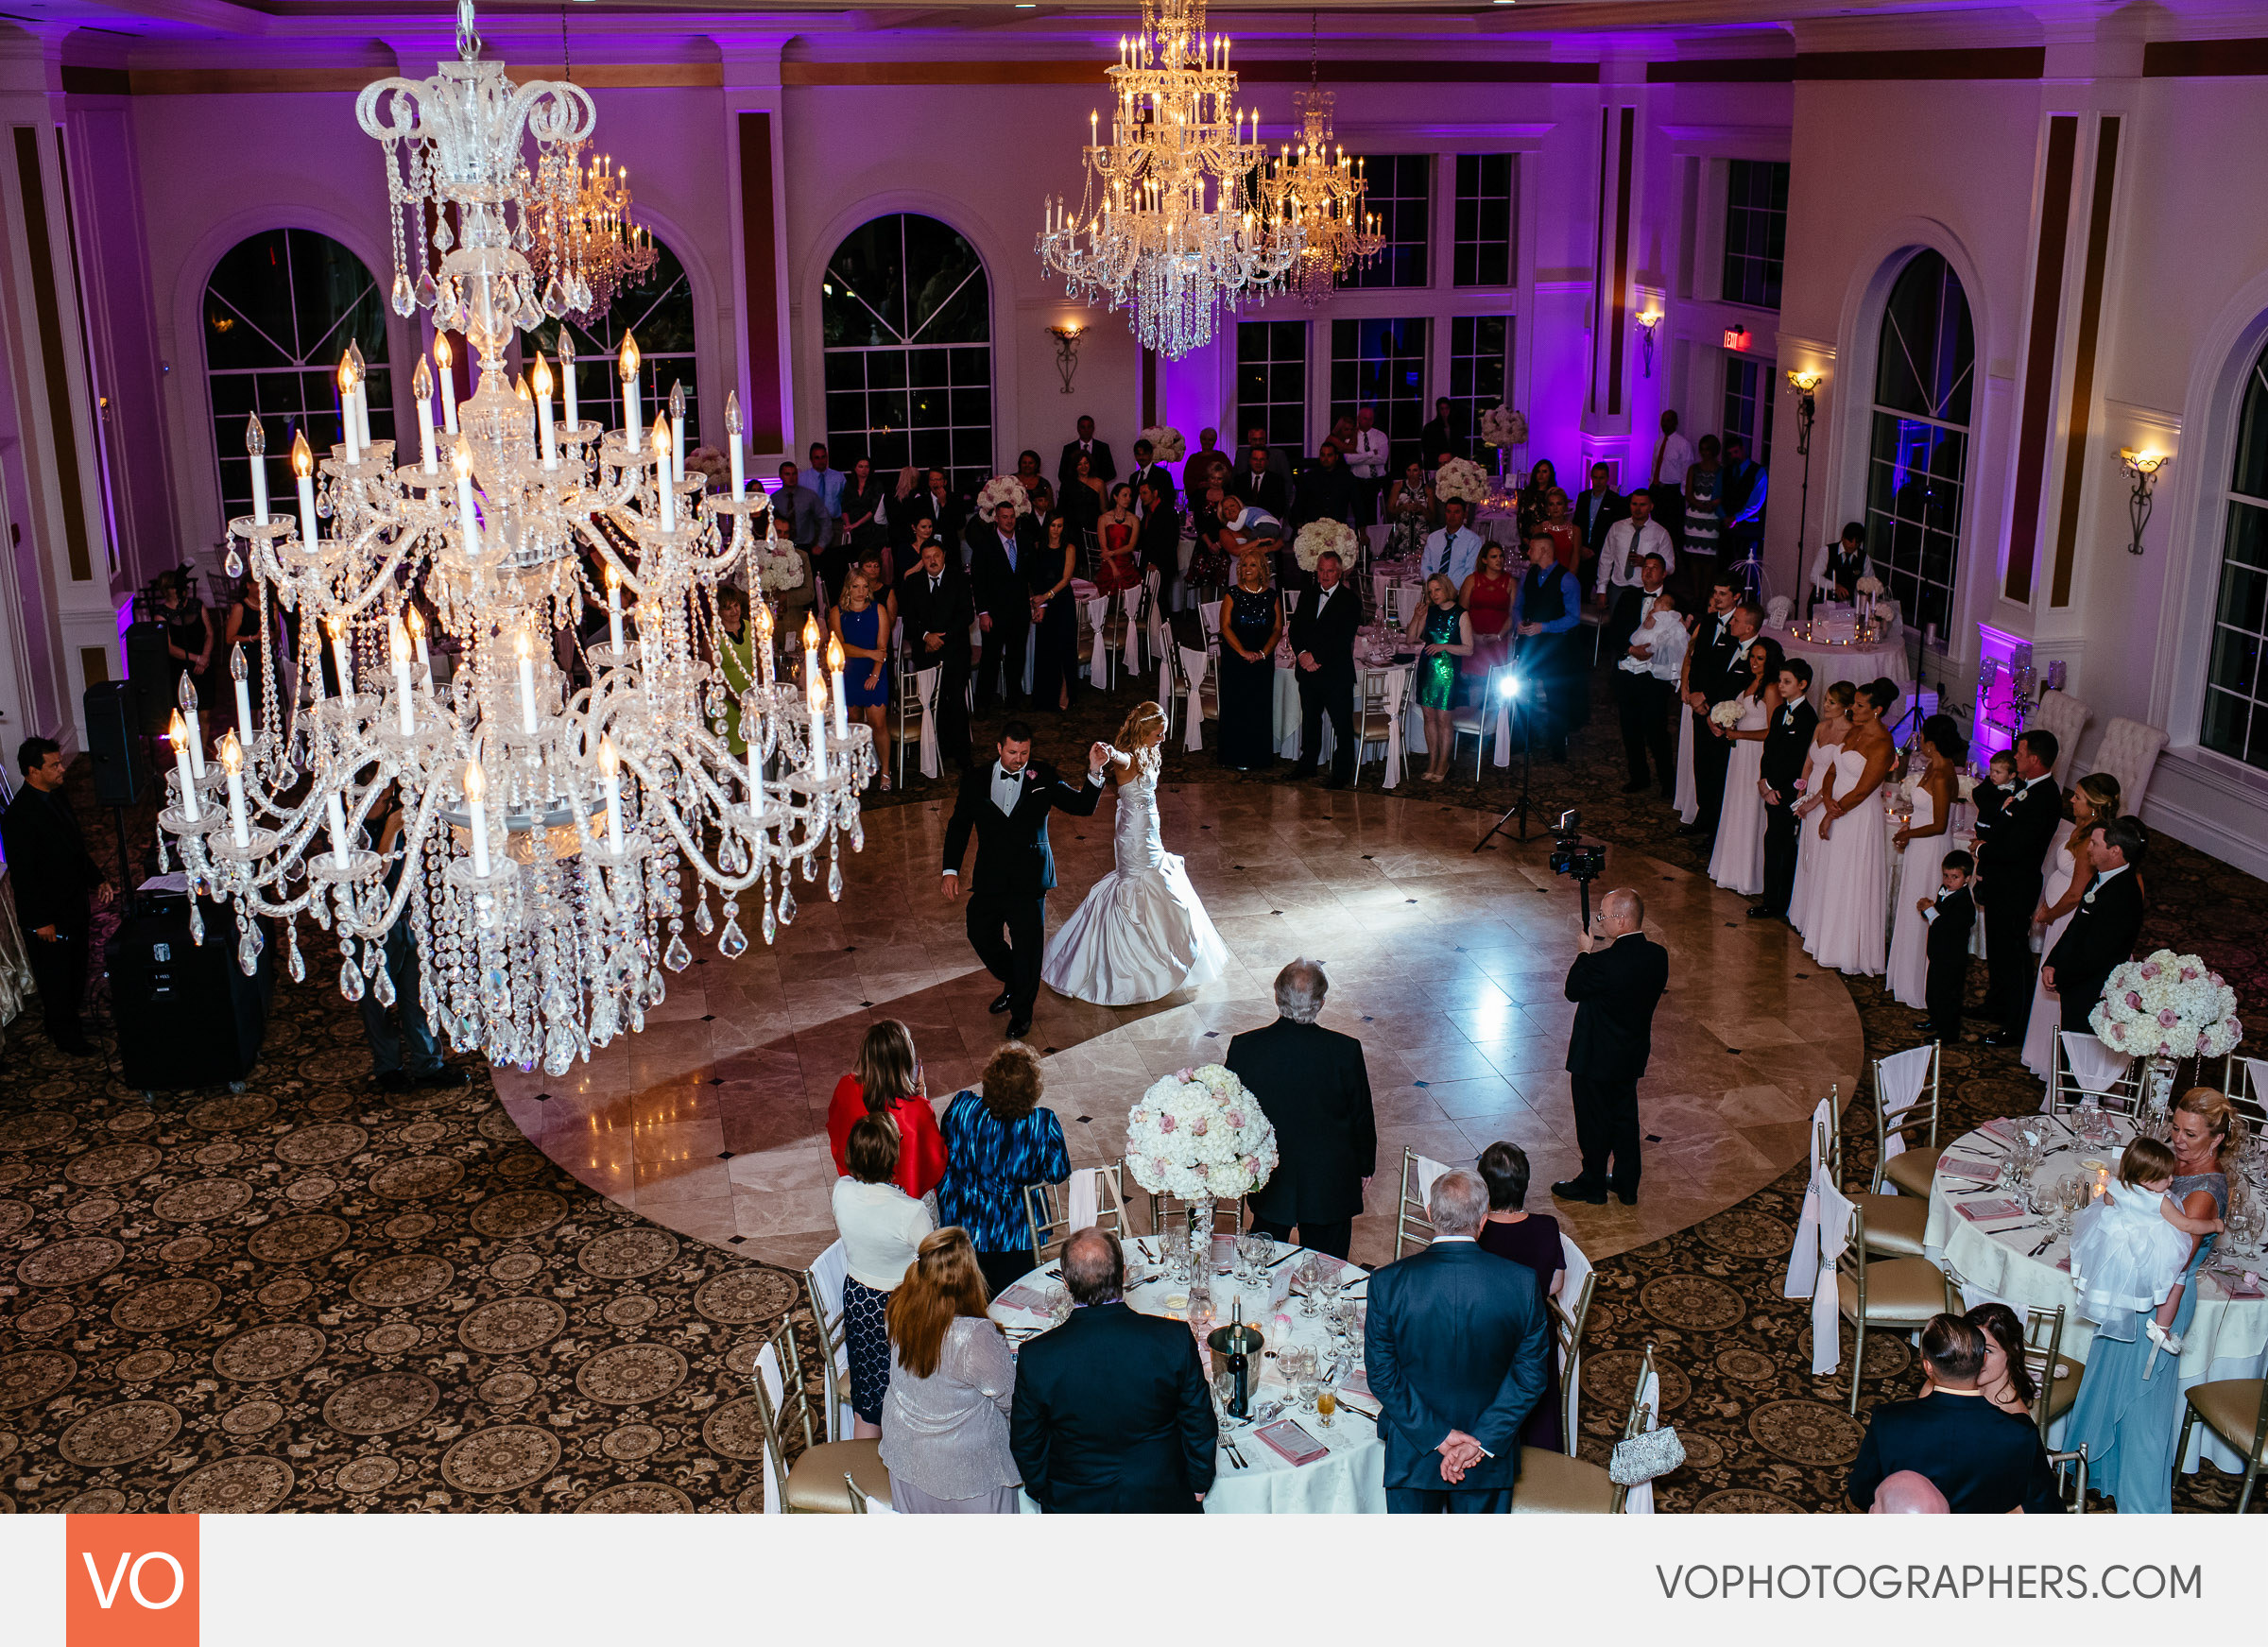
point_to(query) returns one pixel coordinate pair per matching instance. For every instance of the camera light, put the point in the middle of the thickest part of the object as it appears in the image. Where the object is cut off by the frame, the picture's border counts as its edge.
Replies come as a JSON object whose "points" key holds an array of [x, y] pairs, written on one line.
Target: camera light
{"points": [[1508, 686]]}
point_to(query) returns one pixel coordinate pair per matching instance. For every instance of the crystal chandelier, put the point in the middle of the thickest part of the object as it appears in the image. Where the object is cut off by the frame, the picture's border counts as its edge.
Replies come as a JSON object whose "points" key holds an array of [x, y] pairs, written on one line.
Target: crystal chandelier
{"points": [[585, 244], [1144, 233], [549, 827], [1322, 195]]}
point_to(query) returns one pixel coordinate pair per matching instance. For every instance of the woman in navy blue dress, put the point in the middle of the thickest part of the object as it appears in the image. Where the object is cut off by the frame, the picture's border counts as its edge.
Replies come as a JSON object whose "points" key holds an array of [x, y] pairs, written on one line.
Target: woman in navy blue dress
{"points": [[998, 1140], [1251, 620], [861, 621]]}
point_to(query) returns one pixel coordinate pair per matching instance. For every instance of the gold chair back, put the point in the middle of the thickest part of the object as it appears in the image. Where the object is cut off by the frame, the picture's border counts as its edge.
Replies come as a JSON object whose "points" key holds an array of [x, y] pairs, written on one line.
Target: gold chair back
{"points": [[1916, 1124], [1047, 1210], [2066, 1093], [1163, 1207], [1413, 1225], [1568, 1321]]}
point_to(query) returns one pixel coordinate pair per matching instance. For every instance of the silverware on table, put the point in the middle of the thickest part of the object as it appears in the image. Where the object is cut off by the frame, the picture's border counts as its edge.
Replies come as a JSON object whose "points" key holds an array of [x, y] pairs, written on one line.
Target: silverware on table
{"points": [[1287, 1257], [2045, 1242]]}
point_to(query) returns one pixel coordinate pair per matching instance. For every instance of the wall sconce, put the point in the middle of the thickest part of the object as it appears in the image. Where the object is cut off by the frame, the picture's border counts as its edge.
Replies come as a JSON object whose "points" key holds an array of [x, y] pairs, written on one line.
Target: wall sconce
{"points": [[2142, 469], [1067, 350], [1806, 384], [1647, 320]]}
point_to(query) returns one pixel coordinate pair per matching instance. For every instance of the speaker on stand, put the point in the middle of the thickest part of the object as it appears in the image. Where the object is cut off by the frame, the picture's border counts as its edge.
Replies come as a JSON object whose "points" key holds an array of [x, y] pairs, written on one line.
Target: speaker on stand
{"points": [[121, 764]]}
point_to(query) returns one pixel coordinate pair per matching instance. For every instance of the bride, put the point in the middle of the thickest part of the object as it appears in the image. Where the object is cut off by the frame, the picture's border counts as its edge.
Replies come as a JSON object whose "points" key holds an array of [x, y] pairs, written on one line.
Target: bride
{"points": [[1140, 934]]}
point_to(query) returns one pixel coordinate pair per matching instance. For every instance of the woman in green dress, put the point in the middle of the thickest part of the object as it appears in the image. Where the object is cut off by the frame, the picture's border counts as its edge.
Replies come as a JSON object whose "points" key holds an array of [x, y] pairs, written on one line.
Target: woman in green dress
{"points": [[735, 660], [1443, 631]]}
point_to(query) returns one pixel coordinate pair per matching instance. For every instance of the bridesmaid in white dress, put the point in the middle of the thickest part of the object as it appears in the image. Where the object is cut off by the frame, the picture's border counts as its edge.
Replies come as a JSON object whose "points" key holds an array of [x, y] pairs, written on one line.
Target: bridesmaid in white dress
{"points": [[2094, 803], [1852, 900], [1141, 933], [1921, 846], [1738, 863], [1834, 726]]}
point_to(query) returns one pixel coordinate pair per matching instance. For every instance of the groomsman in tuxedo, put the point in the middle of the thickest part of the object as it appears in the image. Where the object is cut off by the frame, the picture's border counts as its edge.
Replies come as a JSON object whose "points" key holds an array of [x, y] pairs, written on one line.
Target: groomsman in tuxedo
{"points": [[1258, 484], [2009, 871], [934, 605], [1323, 629], [1005, 803], [1002, 559], [1148, 472], [1787, 747], [1101, 463], [1645, 680], [1714, 671], [2103, 929]]}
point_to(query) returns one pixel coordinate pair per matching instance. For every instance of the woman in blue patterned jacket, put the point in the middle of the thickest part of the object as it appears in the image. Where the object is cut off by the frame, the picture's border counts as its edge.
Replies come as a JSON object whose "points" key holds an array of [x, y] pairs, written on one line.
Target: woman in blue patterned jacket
{"points": [[997, 1141]]}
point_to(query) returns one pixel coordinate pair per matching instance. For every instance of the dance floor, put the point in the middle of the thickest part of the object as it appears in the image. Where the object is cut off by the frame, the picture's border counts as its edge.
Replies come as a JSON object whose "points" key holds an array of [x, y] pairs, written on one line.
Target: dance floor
{"points": [[1447, 964]]}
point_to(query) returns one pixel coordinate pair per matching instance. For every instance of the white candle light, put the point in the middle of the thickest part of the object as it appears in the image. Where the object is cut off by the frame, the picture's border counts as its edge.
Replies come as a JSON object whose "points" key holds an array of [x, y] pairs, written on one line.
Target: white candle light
{"points": [[420, 389], [610, 773], [398, 643], [663, 488], [448, 383], [842, 709], [231, 758], [346, 408], [303, 467], [733, 440], [764, 636], [362, 396], [417, 635], [614, 610], [818, 731], [567, 375], [676, 431], [811, 650], [178, 733], [539, 382], [477, 802], [467, 523], [255, 446], [632, 429], [747, 728], [528, 682], [338, 657], [337, 814], [240, 677]]}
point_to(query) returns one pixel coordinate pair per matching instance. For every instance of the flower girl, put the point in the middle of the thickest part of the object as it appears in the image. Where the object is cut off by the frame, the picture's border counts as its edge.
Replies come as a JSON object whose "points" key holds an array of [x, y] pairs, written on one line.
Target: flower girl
{"points": [[2129, 1248]]}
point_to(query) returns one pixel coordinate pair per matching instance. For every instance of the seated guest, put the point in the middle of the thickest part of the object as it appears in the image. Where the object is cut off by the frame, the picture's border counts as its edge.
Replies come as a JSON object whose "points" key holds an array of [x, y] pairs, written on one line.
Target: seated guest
{"points": [[998, 1142], [886, 1081], [1112, 1411], [2006, 1379], [1986, 1462], [1908, 1494], [1531, 1240], [945, 1424], [882, 1227]]}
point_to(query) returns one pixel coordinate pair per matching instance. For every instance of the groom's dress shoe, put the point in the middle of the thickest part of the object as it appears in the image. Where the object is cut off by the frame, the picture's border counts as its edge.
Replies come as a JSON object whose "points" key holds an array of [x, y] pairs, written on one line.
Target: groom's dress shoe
{"points": [[1018, 1028], [1002, 1005]]}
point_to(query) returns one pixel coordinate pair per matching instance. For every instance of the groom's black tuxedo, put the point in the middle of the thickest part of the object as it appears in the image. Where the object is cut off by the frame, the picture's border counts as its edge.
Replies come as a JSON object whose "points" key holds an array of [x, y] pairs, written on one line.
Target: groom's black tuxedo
{"points": [[1015, 870]]}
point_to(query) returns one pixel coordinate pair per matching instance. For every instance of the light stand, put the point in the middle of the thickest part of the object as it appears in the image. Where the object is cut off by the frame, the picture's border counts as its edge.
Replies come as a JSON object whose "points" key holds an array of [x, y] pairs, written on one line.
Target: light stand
{"points": [[1806, 384], [1510, 689]]}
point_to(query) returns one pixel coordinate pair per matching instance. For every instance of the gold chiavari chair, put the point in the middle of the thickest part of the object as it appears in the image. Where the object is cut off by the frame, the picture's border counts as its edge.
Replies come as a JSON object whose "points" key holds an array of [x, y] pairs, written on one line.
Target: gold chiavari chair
{"points": [[1568, 1321], [2078, 1073], [1047, 1210], [1893, 1223], [2072, 1486], [1897, 1294], [1228, 1216], [1559, 1483], [2056, 1373], [1412, 1224], [2228, 1406], [1913, 1168], [810, 1484]]}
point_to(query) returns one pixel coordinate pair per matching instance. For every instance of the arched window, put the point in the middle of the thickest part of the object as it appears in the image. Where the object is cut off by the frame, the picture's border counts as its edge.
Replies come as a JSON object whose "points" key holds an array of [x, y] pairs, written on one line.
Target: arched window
{"points": [[2236, 703], [280, 310], [907, 324], [1924, 374], [659, 313]]}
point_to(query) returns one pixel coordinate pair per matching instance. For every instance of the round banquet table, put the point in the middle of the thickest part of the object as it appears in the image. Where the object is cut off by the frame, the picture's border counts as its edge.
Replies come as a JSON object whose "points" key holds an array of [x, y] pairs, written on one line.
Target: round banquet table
{"points": [[1287, 709], [1831, 661], [2021, 1261], [1349, 1480]]}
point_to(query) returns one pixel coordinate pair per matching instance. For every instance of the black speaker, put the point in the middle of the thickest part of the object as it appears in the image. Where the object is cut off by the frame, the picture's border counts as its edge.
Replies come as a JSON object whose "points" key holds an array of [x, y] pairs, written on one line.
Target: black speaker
{"points": [[149, 666], [115, 743], [197, 1020]]}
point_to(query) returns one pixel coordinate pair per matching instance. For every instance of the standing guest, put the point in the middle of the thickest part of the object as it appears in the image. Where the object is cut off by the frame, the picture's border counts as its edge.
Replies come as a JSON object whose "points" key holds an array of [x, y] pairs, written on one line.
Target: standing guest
{"points": [[1443, 631], [1027, 469], [945, 1421], [1948, 915], [241, 627], [1279, 464], [1787, 745], [1615, 983], [1259, 486], [1111, 1412], [1146, 469], [2103, 929], [1647, 639], [1847, 917], [898, 512], [1004, 567], [1984, 1461], [886, 1080], [1044, 509], [1455, 1342], [1208, 466], [1411, 511], [1438, 440], [1314, 1087], [1488, 597], [2094, 802], [1116, 565], [1366, 459], [998, 1143], [1921, 843], [934, 605], [53, 875], [1568, 546], [1251, 623], [1834, 726], [1535, 497], [1327, 490], [866, 515], [1531, 1240], [189, 640], [1838, 566], [1096, 452], [1629, 540], [1716, 667], [1341, 433], [827, 485], [411, 1057], [1665, 477], [1456, 549], [735, 660], [1055, 617], [1084, 498], [1322, 633], [882, 1227], [802, 520], [1745, 486], [1211, 559], [1550, 659], [1160, 536], [947, 514], [2010, 857], [1599, 506], [1703, 517], [862, 623], [1738, 863]]}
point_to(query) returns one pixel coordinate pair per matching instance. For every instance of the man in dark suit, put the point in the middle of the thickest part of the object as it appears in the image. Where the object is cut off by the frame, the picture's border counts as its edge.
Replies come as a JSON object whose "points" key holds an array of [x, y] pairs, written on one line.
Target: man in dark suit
{"points": [[2009, 868], [2103, 928], [1986, 1462], [1327, 490], [1161, 537], [1454, 1347], [942, 505], [1787, 747], [1148, 471], [1951, 912], [1644, 684], [1102, 466], [1598, 506], [1615, 986], [1322, 633], [1006, 802], [53, 874], [1716, 669], [1260, 486], [1438, 439], [1111, 1412], [1003, 560], [935, 606], [1315, 1088]]}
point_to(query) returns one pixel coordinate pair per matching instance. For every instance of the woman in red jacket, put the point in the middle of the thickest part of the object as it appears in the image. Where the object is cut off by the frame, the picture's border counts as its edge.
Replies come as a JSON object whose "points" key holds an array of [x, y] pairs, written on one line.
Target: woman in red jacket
{"points": [[886, 1081]]}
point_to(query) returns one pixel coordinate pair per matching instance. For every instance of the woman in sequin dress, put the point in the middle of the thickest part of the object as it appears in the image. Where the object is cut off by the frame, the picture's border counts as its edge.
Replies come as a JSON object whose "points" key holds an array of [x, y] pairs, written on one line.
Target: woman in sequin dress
{"points": [[1443, 631]]}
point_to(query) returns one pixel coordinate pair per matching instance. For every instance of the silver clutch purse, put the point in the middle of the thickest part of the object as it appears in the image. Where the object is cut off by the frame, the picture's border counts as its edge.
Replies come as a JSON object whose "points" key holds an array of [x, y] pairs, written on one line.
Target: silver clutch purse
{"points": [[1645, 1455]]}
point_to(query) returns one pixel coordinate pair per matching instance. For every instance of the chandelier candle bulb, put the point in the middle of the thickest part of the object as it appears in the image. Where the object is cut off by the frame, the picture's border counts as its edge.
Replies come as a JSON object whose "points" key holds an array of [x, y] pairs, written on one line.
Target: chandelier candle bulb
{"points": [[477, 803], [417, 635], [567, 376], [811, 651], [178, 735], [240, 677], [346, 408], [362, 396], [440, 363], [677, 433], [468, 524], [528, 681], [337, 813], [231, 758], [255, 446], [747, 719], [732, 442], [663, 490], [842, 709], [539, 381], [421, 390], [764, 637], [615, 611], [610, 773], [632, 429], [338, 657], [398, 643], [818, 731]]}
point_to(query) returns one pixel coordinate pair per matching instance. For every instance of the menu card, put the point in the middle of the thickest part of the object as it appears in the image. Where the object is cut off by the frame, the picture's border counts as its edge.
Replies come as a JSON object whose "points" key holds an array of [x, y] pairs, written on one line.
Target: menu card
{"points": [[1023, 1297], [1355, 1381], [1979, 1211], [1292, 1443], [1962, 1166]]}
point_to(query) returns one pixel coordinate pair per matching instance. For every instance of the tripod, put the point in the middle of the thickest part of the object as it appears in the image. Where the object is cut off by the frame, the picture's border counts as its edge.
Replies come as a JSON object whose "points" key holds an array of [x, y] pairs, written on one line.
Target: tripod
{"points": [[1520, 808]]}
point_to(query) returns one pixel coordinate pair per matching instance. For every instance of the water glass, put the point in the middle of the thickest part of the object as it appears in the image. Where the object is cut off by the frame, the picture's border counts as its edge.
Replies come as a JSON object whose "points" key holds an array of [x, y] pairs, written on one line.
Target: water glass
{"points": [[1310, 1385], [1311, 1273], [1264, 1253], [1200, 1313], [1330, 1282]]}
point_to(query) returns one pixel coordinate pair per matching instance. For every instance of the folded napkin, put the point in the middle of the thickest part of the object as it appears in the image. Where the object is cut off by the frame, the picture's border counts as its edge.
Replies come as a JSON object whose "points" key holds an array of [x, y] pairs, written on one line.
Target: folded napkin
{"points": [[1960, 1165], [1292, 1443], [1986, 1211]]}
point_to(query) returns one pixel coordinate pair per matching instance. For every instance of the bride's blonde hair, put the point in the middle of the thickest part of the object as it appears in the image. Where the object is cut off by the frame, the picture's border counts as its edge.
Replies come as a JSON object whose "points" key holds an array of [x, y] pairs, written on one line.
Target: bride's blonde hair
{"points": [[1140, 722]]}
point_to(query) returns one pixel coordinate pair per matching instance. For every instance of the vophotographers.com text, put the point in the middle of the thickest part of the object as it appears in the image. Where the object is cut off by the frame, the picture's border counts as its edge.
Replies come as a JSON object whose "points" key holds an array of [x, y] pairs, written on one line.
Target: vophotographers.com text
{"points": [[1826, 1581]]}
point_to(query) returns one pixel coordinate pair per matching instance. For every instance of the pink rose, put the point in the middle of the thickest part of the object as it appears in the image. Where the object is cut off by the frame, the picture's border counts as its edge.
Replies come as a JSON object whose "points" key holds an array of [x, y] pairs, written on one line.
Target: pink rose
{"points": [[1165, 1124], [1197, 1127], [2189, 975], [2149, 970], [1236, 1118], [2168, 1018], [2134, 1000]]}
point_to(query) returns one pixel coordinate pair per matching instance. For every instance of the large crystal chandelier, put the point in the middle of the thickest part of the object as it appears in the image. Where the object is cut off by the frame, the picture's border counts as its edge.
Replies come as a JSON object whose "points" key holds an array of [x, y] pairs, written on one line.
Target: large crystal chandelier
{"points": [[586, 246], [549, 827], [1321, 194], [1168, 222]]}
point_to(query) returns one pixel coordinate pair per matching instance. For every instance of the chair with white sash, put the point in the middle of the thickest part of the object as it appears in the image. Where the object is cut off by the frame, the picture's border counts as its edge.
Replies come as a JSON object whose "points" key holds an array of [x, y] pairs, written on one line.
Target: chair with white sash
{"points": [[829, 1476], [915, 721], [1091, 1199], [1380, 725], [1570, 1315], [1477, 720], [1895, 1294], [1905, 1121], [1394, 605], [1559, 1483], [1893, 1222], [2086, 1072], [1096, 638], [2245, 1081], [823, 1290], [1198, 691], [1412, 1224]]}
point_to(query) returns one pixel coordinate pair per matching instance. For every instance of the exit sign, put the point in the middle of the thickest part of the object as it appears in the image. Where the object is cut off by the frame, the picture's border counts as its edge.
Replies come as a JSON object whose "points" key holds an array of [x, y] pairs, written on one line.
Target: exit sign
{"points": [[1737, 337]]}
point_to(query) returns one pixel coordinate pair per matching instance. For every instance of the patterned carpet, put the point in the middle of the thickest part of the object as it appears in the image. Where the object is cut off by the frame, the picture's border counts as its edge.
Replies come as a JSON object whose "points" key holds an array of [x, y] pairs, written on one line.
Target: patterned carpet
{"points": [[315, 1296]]}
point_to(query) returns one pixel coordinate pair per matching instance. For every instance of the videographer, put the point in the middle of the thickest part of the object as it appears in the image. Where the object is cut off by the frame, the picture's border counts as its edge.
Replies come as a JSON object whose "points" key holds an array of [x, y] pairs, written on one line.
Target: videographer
{"points": [[1615, 983]]}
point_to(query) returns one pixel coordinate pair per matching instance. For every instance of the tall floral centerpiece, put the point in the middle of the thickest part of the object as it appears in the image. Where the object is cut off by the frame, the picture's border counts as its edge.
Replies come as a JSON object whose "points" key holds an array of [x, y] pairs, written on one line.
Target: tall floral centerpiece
{"points": [[1166, 444], [2164, 1008], [1460, 477], [1318, 537], [1200, 1136], [1002, 489], [1504, 428]]}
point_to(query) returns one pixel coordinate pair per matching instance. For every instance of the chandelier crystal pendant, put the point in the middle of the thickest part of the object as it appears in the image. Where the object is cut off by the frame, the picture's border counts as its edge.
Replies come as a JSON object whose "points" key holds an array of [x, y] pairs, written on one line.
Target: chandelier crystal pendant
{"points": [[1168, 222], [548, 828], [1322, 196]]}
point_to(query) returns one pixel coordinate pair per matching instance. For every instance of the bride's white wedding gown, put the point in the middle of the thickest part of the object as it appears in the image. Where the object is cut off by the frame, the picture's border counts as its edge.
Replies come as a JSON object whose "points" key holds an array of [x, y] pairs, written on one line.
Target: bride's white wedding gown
{"points": [[1141, 934]]}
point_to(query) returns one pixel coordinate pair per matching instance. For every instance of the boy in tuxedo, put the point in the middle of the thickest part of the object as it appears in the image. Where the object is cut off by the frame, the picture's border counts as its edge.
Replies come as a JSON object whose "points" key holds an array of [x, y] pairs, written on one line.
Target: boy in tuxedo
{"points": [[1951, 915], [1992, 795]]}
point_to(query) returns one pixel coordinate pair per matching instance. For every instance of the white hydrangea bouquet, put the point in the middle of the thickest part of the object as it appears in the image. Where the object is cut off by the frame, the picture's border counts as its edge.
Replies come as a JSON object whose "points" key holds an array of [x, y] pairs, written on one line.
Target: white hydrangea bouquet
{"points": [[1870, 586], [1503, 426], [779, 565], [2168, 1007], [1166, 444], [1318, 537], [1725, 714], [1002, 489], [1199, 1134], [1460, 477]]}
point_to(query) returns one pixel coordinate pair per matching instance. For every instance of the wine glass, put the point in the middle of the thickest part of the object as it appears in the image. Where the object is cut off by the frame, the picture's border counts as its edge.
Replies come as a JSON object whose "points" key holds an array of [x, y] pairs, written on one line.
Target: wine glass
{"points": [[1059, 1305], [1224, 1393], [1200, 1313], [1310, 1385], [1331, 1279], [1264, 1253], [1310, 1274]]}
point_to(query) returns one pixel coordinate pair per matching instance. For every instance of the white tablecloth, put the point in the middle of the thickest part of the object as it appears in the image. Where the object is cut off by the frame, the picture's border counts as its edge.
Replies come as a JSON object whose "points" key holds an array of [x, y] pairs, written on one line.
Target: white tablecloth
{"points": [[1351, 1481], [1856, 664], [2227, 1338], [15, 962], [1287, 712]]}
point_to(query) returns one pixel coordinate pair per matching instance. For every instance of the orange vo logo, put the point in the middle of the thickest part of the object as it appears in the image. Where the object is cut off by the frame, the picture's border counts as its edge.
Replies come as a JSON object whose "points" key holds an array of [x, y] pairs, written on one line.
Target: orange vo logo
{"points": [[131, 1581]]}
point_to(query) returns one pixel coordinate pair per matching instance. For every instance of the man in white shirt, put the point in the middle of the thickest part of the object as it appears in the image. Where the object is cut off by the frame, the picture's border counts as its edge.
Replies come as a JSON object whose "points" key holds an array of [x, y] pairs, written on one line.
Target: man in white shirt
{"points": [[1646, 674], [1366, 458], [1673, 456], [1455, 548], [1629, 541]]}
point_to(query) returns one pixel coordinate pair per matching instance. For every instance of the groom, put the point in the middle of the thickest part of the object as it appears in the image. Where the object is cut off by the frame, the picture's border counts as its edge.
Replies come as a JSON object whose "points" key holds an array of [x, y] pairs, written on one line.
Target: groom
{"points": [[1006, 801]]}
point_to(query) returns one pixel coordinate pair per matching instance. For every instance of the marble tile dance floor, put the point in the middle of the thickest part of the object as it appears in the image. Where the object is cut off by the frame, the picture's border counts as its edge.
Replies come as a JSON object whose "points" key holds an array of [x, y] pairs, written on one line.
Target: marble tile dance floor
{"points": [[1447, 964]]}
